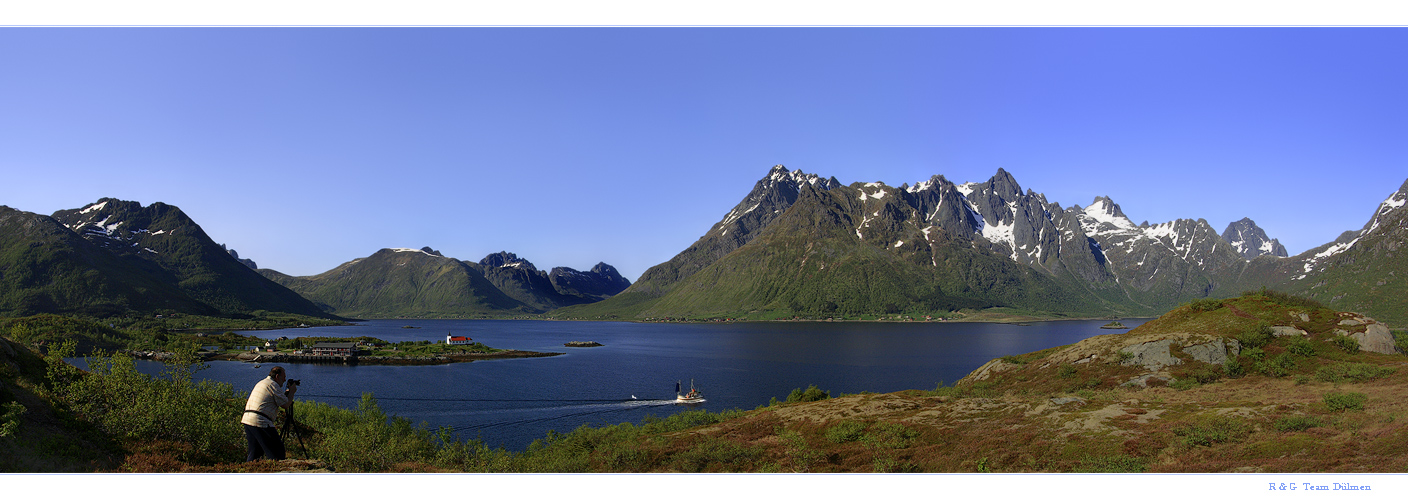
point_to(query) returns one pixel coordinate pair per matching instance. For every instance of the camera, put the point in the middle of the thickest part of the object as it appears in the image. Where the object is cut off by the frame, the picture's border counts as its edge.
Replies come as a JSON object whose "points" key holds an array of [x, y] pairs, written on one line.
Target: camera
{"points": [[293, 382]]}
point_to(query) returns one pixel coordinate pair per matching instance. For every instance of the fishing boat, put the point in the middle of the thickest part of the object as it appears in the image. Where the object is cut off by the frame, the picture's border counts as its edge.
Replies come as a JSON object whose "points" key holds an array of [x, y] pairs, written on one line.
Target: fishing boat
{"points": [[693, 396]]}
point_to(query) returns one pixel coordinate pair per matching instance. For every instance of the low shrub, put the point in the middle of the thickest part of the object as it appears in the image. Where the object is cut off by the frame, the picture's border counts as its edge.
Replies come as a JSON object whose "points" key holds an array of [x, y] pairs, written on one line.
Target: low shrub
{"points": [[1345, 401], [889, 435], [845, 432], [1278, 366], [1234, 369], [1205, 305], [811, 394], [1352, 372], [1215, 430], [1346, 343], [10, 418], [1256, 336], [1292, 423], [1253, 353], [1300, 346]]}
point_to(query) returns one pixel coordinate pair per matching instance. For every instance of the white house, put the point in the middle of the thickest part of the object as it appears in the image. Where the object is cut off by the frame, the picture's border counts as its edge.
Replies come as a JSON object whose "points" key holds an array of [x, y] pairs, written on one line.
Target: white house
{"points": [[457, 340]]}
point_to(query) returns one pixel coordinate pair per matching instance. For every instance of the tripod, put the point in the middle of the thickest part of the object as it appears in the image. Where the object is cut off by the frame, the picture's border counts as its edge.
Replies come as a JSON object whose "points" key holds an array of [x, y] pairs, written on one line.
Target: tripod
{"points": [[289, 426]]}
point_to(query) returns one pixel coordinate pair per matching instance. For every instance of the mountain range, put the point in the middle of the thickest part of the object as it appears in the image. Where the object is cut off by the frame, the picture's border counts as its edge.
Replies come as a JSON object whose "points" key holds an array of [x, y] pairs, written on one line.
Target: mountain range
{"points": [[803, 245], [404, 282], [797, 245], [116, 257]]}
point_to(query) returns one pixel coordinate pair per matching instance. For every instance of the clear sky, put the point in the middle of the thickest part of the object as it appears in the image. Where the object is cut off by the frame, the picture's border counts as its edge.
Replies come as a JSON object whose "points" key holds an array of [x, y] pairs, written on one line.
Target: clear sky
{"points": [[304, 148]]}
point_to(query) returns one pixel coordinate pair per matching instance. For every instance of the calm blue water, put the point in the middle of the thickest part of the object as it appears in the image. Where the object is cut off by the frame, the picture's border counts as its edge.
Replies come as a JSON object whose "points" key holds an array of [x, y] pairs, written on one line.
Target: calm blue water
{"points": [[512, 402]]}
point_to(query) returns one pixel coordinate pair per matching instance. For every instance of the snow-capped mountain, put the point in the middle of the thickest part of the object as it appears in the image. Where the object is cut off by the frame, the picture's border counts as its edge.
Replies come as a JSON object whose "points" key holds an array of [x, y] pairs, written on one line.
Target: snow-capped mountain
{"points": [[956, 238], [1251, 241], [164, 236], [562, 286]]}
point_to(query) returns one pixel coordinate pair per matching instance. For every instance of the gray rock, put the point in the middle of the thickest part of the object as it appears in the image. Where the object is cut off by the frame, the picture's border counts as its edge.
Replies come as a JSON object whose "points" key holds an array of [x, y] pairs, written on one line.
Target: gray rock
{"points": [[1061, 401], [1152, 355], [1376, 338], [1350, 322], [1215, 352], [1287, 331], [1304, 317]]}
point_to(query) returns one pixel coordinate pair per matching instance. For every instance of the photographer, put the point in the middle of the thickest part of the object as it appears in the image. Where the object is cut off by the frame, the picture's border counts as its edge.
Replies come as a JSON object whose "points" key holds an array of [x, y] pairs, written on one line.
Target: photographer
{"points": [[260, 429]]}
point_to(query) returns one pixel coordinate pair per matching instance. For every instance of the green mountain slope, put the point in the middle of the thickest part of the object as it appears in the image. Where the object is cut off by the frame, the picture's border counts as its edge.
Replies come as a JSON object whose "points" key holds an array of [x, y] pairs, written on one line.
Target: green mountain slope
{"points": [[46, 268], [800, 245], [163, 236], [1357, 272], [393, 283]]}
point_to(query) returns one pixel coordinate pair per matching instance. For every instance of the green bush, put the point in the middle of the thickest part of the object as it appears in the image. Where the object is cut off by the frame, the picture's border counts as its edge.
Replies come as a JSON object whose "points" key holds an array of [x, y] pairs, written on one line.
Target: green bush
{"points": [[811, 394], [1205, 305], [1292, 423], [1220, 429], [1300, 346], [1353, 372], [1345, 401], [889, 435], [1346, 343], [1278, 366], [10, 418], [1253, 353], [846, 431], [126, 403], [1256, 336], [1234, 369]]}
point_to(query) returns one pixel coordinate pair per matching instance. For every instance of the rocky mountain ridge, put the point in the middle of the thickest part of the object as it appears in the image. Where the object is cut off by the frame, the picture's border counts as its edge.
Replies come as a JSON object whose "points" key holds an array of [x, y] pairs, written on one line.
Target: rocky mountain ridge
{"points": [[1092, 258]]}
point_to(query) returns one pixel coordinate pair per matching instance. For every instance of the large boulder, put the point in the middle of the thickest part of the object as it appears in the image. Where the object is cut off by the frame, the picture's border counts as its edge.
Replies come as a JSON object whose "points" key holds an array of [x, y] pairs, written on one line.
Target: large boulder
{"points": [[1152, 355], [1216, 352], [1376, 338], [1288, 331]]}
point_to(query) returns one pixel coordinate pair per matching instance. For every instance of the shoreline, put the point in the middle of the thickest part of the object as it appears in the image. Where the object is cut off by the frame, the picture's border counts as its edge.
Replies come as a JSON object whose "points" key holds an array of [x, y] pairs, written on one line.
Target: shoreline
{"points": [[279, 357]]}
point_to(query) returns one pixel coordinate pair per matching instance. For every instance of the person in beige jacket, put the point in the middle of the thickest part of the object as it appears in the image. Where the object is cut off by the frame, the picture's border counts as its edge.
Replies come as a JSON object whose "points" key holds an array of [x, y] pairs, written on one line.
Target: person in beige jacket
{"points": [[261, 431]]}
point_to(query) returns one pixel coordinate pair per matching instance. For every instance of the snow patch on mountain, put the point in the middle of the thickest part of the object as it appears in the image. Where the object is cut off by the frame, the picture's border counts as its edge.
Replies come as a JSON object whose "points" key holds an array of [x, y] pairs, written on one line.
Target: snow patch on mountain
{"points": [[94, 207]]}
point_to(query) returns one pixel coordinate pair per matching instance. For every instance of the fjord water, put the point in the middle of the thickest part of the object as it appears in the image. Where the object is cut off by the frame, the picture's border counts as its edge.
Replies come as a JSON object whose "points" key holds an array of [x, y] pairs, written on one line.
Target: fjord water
{"points": [[511, 402]]}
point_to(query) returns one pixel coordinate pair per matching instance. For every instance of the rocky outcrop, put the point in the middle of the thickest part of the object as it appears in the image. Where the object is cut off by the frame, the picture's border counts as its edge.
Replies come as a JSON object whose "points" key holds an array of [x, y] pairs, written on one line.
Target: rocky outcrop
{"points": [[1288, 331], [1375, 336], [1152, 355], [1217, 352]]}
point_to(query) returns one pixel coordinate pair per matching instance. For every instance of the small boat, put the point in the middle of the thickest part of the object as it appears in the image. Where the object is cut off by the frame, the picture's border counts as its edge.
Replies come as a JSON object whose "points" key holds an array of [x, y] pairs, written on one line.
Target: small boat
{"points": [[693, 396]]}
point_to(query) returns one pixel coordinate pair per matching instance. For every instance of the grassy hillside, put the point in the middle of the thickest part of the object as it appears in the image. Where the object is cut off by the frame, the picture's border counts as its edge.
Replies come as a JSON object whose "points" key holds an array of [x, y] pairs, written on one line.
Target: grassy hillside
{"points": [[404, 284], [46, 268]]}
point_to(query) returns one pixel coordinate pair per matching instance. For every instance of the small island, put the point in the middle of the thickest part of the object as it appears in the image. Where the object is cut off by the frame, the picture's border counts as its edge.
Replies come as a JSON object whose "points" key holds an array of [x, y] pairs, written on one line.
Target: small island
{"points": [[578, 343], [371, 350], [1114, 325]]}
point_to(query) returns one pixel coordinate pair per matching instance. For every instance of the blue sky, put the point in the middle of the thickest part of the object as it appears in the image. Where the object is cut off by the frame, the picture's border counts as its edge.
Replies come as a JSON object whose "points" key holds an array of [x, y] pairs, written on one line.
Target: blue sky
{"points": [[303, 148]]}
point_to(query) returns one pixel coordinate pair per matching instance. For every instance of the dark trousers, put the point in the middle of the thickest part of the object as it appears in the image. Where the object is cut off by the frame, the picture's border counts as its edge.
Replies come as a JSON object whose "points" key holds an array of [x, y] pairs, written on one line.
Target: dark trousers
{"points": [[263, 441]]}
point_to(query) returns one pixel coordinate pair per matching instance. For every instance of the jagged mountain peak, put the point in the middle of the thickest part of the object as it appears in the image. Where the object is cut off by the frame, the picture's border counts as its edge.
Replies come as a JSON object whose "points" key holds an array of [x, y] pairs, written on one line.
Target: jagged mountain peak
{"points": [[1251, 241], [1004, 184], [506, 259], [1395, 202], [779, 173]]}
